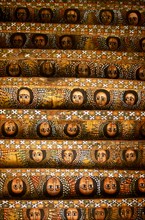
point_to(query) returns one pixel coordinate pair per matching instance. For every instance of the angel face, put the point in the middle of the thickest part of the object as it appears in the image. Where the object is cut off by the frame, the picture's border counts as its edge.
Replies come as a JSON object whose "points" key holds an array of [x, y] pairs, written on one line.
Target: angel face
{"points": [[66, 43], [141, 184], [72, 129], [53, 186], [112, 72], [44, 129], [101, 156], [78, 98], [37, 155], [83, 70], [35, 214], [113, 43], [13, 69], [126, 213], [130, 156], [111, 129], [106, 17], [68, 156], [22, 14], [72, 214], [101, 99], [86, 186], [99, 213], [10, 128], [71, 16], [17, 41], [17, 186], [24, 97], [110, 185], [141, 73], [47, 68], [130, 99], [133, 18], [143, 44], [45, 15], [40, 41]]}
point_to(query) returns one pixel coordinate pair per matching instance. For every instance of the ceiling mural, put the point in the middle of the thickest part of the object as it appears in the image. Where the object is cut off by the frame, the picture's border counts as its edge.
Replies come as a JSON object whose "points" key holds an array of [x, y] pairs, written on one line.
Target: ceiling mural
{"points": [[72, 110]]}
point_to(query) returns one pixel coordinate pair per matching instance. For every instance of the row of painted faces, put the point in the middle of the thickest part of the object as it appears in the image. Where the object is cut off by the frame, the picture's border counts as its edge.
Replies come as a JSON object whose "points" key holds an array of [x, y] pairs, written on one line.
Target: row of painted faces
{"points": [[71, 16], [68, 42], [49, 69], [85, 186], [99, 213], [78, 97], [68, 157], [73, 129]]}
